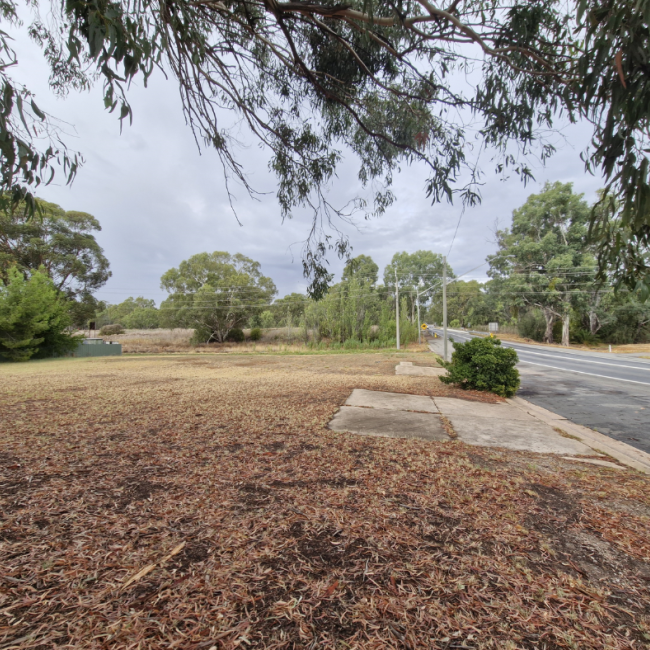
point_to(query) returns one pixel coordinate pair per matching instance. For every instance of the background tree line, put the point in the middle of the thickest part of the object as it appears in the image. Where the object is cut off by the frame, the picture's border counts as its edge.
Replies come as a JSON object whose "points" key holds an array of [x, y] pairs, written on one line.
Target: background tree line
{"points": [[544, 283]]}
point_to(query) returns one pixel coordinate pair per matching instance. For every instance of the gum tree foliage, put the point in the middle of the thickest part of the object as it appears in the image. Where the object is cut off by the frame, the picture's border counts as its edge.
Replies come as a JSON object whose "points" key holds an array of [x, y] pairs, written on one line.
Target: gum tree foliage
{"points": [[63, 243], [357, 309], [214, 293], [351, 309], [363, 269], [377, 77], [416, 272], [544, 261], [466, 303], [33, 317], [132, 313], [288, 311]]}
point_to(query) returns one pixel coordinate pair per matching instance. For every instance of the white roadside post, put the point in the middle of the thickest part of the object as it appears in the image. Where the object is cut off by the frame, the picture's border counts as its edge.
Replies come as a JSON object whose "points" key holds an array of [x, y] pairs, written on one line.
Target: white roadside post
{"points": [[397, 307], [444, 307]]}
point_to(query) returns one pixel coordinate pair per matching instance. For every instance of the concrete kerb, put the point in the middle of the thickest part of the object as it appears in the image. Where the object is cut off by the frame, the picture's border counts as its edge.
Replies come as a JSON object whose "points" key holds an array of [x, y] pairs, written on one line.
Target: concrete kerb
{"points": [[626, 454]]}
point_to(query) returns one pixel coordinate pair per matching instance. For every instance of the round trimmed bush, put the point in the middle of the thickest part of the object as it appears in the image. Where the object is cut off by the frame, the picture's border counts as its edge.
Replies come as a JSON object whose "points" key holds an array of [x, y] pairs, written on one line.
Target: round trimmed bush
{"points": [[111, 330], [236, 335], [482, 364], [256, 334]]}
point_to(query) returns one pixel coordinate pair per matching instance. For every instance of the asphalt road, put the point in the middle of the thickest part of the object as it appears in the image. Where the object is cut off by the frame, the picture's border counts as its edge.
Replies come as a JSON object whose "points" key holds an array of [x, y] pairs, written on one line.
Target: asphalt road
{"points": [[606, 392]]}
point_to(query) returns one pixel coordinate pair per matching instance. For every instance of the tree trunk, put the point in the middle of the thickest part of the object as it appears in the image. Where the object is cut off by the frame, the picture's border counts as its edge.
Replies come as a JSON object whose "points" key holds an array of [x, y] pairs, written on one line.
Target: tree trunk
{"points": [[565, 329], [549, 317], [594, 325]]}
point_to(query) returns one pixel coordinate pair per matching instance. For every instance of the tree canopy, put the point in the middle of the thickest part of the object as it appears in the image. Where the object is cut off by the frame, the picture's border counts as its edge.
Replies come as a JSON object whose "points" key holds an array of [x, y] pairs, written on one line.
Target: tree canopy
{"points": [[544, 259], [215, 293], [363, 269], [132, 313], [288, 310], [63, 243], [311, 80], [418, 274]]}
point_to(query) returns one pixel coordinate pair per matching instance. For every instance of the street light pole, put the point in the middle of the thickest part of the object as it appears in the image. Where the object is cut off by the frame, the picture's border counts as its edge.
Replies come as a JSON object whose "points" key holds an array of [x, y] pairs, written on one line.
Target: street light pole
{"points": [[444, 306]]}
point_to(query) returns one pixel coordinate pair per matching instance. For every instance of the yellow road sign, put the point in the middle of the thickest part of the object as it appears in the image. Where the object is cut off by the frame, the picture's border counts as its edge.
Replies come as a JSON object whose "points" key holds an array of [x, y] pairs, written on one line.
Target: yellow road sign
{"points": [[424, 326]]}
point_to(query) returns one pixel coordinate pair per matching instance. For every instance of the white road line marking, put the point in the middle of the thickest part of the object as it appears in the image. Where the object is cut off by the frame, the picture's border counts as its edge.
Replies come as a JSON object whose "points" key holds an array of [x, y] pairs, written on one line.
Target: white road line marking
{"points": [[591, 374], [602, 363]]}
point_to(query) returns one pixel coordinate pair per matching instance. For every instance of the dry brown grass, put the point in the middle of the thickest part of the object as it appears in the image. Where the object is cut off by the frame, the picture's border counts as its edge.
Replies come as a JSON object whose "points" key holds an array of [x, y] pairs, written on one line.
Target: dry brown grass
{"points": [[214, 485], [636, 347], [154, 341], [166, 341]]}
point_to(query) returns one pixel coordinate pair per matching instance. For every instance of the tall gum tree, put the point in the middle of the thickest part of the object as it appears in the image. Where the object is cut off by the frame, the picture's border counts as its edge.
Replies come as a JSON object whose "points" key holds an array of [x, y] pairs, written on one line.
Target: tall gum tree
{"points": [[544, 260], [213, 293], [418, 274]]}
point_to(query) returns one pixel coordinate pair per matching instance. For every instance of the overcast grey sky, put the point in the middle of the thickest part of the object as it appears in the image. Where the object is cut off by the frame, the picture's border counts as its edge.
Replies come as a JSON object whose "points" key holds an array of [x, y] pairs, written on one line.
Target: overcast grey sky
{"points": [[159, 201]]}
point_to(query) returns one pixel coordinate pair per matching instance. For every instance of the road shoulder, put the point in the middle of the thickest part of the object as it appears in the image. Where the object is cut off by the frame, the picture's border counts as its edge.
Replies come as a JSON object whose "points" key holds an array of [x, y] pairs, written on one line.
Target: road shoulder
{"points": [[622, 452]]}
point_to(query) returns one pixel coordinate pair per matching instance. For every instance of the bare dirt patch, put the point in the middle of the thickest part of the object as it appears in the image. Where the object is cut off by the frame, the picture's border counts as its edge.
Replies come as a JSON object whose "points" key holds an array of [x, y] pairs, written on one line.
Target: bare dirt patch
{"points": [[294, 536]]}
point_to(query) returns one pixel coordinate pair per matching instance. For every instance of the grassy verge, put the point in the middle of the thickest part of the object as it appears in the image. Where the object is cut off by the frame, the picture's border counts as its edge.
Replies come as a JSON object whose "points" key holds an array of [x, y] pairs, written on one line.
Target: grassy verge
{"points": [[200, 501]]}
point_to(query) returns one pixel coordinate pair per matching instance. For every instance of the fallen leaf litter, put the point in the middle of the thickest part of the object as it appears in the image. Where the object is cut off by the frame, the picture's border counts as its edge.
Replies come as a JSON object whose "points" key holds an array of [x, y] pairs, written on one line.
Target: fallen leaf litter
{"points": [[176, 502]]}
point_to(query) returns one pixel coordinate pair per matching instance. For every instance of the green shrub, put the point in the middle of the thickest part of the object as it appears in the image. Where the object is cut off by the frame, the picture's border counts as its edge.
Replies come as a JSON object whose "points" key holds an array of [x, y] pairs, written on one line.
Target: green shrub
{"points": [[482, 364], [256, 334], [33, 317], [236, 335], [201, 336], [532, 325], [267, 319], [455, 323], [580, 335], [111, 330], [142, 318]]}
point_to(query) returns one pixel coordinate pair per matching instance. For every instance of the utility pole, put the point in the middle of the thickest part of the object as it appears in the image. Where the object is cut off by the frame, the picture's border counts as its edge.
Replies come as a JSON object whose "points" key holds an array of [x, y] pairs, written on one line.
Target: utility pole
{"points": [[417, 298], [397, 307], [444, 306]]}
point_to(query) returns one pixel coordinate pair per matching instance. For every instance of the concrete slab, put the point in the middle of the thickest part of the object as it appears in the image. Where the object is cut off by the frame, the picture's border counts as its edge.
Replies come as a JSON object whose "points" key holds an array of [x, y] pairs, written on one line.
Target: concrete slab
{"points": [[419, 371], [521, 435], [388, 423], [450, 406], [594, 461], [392, 401]]}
